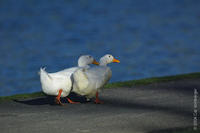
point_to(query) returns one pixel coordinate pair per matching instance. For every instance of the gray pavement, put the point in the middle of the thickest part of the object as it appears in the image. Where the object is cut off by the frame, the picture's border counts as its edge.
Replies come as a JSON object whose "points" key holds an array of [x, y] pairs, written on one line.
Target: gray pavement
{"points": [[139, 109]]}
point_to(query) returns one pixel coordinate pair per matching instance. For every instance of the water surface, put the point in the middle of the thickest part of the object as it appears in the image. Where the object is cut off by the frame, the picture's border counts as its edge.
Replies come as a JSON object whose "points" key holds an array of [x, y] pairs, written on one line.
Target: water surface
{"points": [[149, 38]]}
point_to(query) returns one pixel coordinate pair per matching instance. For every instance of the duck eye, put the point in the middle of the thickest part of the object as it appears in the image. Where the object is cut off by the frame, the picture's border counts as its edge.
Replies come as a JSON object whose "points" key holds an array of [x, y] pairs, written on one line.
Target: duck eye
{"points": [[109, 56], [90, 56]]}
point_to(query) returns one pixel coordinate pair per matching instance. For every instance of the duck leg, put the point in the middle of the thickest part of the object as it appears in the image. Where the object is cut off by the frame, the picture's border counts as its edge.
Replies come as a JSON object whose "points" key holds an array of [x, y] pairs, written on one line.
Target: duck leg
{"points": [[58, 97], [97, 101], [70, 101]]}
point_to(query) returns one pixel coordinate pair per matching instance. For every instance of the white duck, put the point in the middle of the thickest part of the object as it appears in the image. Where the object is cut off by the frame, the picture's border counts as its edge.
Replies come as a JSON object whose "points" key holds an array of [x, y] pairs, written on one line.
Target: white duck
{"points": [[59, 83], [88, 81]]}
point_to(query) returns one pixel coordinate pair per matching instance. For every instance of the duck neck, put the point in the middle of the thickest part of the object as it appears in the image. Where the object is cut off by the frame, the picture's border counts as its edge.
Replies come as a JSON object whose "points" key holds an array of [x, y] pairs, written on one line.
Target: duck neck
{"points": [[103, 62], [83, 65]]}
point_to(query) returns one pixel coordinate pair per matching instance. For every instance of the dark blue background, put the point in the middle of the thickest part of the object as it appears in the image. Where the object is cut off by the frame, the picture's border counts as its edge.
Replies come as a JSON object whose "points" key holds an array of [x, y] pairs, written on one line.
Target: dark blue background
{"points": [[150, 38]]}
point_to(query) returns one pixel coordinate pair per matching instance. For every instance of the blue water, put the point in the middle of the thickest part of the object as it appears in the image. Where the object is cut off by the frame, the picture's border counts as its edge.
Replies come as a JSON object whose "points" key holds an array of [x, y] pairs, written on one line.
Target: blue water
{"points": [[150, 38]]}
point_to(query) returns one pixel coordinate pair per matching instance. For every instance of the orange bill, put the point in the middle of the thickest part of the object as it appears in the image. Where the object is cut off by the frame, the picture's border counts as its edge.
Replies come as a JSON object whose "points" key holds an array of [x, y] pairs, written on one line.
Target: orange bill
{"points": [[115, 60], [95, 62]]}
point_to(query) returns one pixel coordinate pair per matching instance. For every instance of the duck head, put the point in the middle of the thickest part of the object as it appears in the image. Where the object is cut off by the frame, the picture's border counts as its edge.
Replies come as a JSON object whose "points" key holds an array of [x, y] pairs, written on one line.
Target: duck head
{"points": [[85, 60], [108, 58]]}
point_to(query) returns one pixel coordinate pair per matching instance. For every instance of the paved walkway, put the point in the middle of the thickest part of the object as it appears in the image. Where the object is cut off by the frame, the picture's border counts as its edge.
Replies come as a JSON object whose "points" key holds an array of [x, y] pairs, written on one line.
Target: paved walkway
{"points": [[140, 109]]}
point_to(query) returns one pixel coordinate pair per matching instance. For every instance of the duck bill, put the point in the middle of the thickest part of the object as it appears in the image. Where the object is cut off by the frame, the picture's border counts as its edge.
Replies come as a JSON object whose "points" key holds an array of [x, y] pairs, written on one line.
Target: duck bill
{"points": [[115, 60], [95, 62]]}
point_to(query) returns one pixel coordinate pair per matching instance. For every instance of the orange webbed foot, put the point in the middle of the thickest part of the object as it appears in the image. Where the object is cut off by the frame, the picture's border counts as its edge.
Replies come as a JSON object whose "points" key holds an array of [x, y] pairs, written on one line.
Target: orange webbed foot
{"points": [[97, 101], [72, 102], [57, 101]]}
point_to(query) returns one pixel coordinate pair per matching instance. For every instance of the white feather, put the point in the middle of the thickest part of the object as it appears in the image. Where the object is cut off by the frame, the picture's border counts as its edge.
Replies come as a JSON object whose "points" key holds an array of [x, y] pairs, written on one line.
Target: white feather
{"points": [[53, 82], [89, 81]]}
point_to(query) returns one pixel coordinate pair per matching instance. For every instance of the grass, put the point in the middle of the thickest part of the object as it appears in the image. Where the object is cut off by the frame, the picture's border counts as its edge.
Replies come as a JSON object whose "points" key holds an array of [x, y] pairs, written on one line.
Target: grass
{"points": [[22, 96], [130, 83], [147, 81]]}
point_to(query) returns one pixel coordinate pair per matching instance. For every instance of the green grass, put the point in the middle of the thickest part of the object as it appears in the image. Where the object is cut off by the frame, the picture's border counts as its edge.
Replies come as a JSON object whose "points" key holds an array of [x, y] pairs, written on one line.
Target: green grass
{"points": [[116, 84], [22, 96], [147, 81]]}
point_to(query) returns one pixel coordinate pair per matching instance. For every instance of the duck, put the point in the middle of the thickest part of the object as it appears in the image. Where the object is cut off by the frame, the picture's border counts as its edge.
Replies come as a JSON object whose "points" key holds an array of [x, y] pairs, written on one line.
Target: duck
{"points": [[59, 84], [89, 81]]}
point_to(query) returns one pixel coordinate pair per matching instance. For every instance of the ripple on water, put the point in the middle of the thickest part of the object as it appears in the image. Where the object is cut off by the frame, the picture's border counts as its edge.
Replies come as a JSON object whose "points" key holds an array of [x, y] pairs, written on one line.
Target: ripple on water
{"points": [[150, 39]]}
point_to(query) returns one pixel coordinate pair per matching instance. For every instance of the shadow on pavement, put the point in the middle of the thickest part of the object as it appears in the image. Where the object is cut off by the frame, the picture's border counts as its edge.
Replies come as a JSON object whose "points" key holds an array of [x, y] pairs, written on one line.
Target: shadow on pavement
{"points": [[50, 100], [110, 103], [181, 86], [176, 130], [37, 101], [120, 103]]}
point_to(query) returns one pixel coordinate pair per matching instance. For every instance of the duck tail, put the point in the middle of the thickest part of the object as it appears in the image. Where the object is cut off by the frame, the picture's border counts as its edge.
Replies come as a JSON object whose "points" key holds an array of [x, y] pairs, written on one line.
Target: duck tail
{"points": [[44, 76]]}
